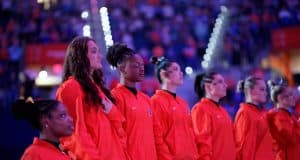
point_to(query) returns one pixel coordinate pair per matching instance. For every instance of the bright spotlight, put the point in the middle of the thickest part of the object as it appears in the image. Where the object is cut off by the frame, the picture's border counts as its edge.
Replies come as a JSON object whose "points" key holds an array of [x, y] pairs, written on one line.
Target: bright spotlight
{"points": [[204, 64], [84, 14], [103, 10], [188, 70], [86, 30], [43, 74], [207, 57]]}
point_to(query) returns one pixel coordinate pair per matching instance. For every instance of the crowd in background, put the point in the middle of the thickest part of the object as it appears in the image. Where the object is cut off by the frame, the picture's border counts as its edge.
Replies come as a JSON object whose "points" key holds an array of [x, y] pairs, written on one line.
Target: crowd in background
{"points": [[178, 29]]}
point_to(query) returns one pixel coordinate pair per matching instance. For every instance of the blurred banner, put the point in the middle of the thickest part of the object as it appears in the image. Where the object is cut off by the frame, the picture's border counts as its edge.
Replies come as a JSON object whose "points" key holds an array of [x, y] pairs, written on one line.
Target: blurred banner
{"points": [[286, 38], [45, 54]]}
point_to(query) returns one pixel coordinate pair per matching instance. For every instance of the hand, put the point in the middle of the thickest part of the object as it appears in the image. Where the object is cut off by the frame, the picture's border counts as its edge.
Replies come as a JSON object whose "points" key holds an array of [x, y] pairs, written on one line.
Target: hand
{"points": [[107, 104]]}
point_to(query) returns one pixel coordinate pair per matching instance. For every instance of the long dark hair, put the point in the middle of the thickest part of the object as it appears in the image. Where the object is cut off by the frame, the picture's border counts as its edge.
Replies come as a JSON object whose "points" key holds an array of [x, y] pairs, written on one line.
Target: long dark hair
{"points": [[160, 64], [200, 80], [34, 110], [77, 65]]}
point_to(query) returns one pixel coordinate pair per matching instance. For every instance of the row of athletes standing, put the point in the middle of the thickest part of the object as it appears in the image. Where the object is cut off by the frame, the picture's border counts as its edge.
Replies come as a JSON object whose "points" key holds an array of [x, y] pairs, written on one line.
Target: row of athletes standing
{"points": [[127, 124]]}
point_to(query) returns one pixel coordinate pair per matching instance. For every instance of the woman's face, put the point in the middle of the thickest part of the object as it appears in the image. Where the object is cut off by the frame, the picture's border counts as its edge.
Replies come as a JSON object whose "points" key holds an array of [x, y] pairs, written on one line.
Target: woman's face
{"points": [[60, 123], [134, 69], [94, 55], [174, 75], [287, 98], [259, 92], [217, 88]]}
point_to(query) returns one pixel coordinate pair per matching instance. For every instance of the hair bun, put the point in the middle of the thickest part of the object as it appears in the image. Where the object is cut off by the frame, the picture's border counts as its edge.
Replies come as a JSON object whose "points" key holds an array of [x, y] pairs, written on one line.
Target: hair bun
{"points": [[271, 84], [240, 86], [154, 60], [21, 109], [158, 61], [117, 53]]}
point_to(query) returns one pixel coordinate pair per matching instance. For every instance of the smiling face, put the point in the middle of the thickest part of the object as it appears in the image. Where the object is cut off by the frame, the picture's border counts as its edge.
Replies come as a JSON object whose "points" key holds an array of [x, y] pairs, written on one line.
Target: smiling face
{"points": [[94, 55], [133, 68]]}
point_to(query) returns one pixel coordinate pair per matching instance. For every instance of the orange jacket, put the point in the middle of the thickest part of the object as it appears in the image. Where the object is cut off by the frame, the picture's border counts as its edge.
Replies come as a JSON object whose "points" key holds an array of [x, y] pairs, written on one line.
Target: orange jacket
{"points": [[97, 134], [213, 130], [252, 136], [143, 130], [43, 150], [285, 130], [175, 119]]}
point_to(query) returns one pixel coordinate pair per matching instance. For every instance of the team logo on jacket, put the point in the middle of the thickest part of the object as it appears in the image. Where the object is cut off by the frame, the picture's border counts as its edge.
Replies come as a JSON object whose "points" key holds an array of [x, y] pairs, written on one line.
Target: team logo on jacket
{"points": [[149, 112]]}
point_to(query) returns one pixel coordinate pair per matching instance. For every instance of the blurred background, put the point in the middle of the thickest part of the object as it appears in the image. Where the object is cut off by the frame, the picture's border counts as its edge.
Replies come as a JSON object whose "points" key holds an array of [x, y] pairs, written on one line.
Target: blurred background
{"points": [[233, 37]]}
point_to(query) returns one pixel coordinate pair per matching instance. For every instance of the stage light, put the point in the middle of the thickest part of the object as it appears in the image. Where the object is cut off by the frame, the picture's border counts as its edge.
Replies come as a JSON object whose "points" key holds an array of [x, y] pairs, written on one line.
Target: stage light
{"points": [[189, 70], [43, 74], [84, 14], [215, 41], [106, 26], [204, 64], [207, 57], [103, 10], [86, 30]]}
